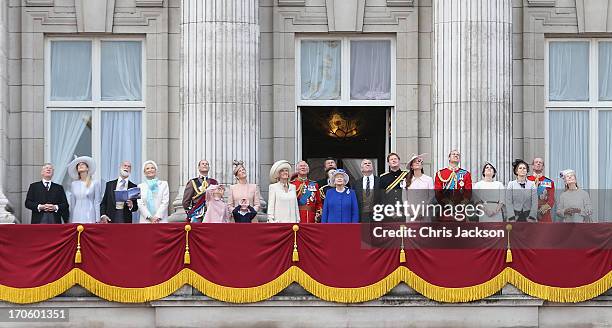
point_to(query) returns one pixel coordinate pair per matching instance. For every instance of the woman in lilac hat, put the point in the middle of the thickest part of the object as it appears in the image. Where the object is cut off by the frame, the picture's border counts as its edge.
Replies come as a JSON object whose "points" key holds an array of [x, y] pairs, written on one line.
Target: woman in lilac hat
{"points": [[340, 204]]}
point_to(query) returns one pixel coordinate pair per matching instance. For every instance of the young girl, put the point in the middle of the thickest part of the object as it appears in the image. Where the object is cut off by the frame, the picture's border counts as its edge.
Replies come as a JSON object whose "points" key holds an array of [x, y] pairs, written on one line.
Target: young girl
{"points": [[216, 208]]}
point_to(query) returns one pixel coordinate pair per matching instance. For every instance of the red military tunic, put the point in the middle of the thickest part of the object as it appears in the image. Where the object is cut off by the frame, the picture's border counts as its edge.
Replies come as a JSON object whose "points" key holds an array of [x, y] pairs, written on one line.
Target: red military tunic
{"points": [[452, 186], [546, 196], [309, 199]]}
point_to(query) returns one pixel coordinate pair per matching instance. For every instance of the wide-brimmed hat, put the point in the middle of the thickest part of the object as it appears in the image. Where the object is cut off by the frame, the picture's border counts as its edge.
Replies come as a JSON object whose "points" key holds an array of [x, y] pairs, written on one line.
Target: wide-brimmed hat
{"points": [[413, 157], [277, 167], [72, 167], [336, 172]]}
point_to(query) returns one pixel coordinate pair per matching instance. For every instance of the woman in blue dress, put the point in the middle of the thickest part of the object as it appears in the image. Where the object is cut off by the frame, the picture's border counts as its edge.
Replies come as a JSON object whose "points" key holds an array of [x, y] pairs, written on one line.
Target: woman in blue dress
{"points": [[340, 204], [85, 193]]}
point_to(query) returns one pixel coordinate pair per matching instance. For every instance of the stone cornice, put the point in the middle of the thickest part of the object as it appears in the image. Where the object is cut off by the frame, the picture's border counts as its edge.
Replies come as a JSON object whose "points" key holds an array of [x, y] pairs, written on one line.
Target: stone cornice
{"points": [[541, 3], [291, 3], [400, 3], [149, 3]]}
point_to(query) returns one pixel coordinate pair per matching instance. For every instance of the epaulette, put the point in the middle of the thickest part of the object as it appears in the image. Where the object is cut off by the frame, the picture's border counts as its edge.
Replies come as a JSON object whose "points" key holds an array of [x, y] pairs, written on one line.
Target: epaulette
{"points": [[384, 174]]}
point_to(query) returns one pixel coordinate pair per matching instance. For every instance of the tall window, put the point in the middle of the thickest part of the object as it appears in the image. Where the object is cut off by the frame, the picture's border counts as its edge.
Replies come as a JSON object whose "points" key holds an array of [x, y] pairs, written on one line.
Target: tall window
{"points": [[579, 109], [94, 104], [345, 71]]}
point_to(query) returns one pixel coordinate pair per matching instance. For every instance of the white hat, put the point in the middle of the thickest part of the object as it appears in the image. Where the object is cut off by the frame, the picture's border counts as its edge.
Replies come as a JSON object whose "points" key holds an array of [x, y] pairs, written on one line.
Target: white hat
{"points": [[563, 174], [336, 172], [277, 167], [149, 162], [415, 156], [72, 167]]}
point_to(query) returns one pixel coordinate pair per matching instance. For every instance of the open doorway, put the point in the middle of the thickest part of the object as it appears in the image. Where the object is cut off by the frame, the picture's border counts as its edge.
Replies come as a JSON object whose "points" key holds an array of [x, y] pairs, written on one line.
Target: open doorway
{"points": [[348, 134]]}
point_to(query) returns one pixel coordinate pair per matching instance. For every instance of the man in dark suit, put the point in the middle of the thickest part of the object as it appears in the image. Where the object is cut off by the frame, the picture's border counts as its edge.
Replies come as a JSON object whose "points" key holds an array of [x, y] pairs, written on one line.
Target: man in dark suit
{"points": [[47, 200], [366, 190], [330, 163], [118, 212]]}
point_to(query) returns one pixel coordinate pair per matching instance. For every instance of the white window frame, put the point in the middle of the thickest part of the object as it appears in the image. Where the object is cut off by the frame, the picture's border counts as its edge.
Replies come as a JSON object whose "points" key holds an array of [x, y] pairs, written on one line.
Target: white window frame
{"points": [[96, 106], [345, 71], [593, 106]]}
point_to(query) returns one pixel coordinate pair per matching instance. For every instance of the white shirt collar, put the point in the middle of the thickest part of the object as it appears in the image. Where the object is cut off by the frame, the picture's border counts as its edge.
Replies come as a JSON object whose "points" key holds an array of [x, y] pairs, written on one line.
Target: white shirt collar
{"points": [[46, 181]]}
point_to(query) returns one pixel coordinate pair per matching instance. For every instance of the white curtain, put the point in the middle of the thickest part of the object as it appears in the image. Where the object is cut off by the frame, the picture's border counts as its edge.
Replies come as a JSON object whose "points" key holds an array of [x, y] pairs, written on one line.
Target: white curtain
{"points": [[568, 71], [121, 70], [67, 128], [569, 145], [121, 140], [371, 69], [70, 70], [605, 70], [605, 166], [320, 69]]}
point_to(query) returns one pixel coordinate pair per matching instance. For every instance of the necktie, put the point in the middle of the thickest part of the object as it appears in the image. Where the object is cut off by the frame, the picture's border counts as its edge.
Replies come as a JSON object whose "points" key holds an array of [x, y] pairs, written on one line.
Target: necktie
{"points": [[367, 186], [47, 185], [122, 184]]}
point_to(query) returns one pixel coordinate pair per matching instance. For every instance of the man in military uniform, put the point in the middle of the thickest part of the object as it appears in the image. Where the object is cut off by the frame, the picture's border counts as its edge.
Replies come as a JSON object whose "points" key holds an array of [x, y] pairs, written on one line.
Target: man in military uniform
{"points": [[546, 190], [452, 184], [309, 199], [391, 183], [194, 197]]}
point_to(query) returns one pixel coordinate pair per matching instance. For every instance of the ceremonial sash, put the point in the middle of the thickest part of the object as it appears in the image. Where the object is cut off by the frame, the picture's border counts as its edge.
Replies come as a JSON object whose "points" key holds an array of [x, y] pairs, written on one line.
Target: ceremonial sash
{"points": [[197, 209], [304, 193], [396, 181]]}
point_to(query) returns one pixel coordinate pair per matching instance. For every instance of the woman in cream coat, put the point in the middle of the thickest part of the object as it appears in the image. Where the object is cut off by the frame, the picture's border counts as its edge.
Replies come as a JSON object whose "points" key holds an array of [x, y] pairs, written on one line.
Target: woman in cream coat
{"points": [[154, 196], [282, 196]]}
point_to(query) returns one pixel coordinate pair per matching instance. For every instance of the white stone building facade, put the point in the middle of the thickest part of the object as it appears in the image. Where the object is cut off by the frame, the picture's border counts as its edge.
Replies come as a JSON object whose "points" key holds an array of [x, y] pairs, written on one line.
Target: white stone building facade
{"points": [[179, 80]]}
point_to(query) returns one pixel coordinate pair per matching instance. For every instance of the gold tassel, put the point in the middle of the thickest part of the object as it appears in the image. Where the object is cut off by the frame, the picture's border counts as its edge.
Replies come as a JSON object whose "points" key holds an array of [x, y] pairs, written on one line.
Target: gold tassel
{"points": [[402, 252], [508, 251], [296, 256], [77, 256], [187, 259]]}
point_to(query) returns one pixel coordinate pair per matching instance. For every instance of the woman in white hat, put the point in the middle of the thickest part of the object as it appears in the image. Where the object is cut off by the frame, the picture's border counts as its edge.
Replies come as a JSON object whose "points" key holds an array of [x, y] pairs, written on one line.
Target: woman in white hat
{"points": [[490, 193], [574, 204], [154, 196], [340, 204], [418, 188], [282, 196], [85, 193]]}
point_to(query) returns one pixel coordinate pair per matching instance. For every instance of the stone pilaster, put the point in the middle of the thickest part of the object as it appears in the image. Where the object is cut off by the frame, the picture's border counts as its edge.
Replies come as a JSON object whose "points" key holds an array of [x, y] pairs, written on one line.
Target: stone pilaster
{"points": [[219, 86], [5, 215], [472, 97]]}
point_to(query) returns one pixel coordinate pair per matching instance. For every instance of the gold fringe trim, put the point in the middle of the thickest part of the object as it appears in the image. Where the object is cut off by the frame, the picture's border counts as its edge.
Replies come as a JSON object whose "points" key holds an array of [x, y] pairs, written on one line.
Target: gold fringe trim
{"points": [[559, 294], [461, 294], [295, 274], [242, 295], [349, 295], [131, 295], [40, 293]]}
